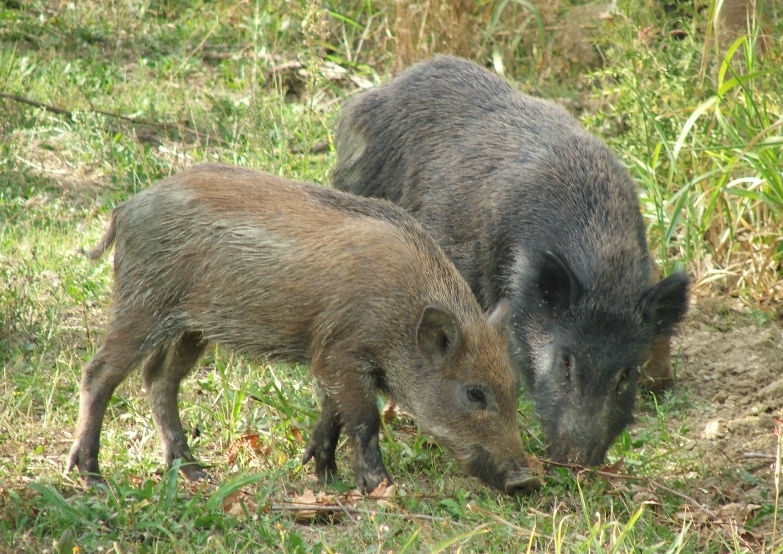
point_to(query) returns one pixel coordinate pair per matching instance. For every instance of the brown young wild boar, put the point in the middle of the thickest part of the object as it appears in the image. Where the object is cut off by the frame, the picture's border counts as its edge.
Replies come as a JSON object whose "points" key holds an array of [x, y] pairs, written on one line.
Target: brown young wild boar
{"points": [[532, 208], [299, 273]]}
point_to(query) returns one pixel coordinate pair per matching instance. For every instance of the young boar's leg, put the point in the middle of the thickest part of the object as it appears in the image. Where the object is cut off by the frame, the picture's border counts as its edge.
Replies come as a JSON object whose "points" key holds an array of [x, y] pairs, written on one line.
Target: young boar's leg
{"points": [[323, 441], [352, 388], [119, 354], [162, 374]]}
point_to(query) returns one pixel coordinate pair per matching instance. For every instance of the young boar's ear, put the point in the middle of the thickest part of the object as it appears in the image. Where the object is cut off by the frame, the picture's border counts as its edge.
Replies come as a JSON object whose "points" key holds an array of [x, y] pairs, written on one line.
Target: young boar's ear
{"points": [[438, 334], [557, 284], [500, 316], [664, 305]]}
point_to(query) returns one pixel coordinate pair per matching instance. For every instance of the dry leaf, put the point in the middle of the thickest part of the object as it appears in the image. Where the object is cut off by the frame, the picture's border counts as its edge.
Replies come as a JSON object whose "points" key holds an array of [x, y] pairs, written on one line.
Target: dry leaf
{"points": [[536, 467], [233, 504], [307, 497], [382, 492], [297, 434], [309, 507], [389, 411], [251, 442], [738, 511]]}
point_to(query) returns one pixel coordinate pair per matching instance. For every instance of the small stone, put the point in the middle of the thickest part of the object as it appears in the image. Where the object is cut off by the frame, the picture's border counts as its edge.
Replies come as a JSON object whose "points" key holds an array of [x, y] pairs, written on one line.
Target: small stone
{"points": [[712, 430]]}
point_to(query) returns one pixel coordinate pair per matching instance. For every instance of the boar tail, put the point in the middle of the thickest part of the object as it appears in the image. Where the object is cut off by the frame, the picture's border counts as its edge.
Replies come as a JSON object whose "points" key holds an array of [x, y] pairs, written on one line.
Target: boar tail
{"points": [[106, 241]]}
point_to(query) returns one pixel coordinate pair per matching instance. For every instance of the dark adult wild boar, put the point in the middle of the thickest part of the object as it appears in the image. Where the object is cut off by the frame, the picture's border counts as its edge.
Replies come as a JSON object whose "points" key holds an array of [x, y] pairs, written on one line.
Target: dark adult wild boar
{"points": [[296, 272], [532, 208]]}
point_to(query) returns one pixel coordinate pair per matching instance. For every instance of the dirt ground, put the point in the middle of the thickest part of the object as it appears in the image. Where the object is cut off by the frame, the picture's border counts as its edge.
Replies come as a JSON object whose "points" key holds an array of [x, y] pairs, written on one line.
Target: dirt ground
{"points": [[731, 375]]}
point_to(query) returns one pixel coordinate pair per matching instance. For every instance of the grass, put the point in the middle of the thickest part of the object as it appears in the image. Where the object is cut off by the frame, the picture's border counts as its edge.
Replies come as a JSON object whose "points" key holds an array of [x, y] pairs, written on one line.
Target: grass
{"points": [[212, 81]]}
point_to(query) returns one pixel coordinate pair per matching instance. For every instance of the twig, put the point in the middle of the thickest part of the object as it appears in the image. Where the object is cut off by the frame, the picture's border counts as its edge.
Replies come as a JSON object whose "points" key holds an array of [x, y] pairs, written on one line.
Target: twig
{"points": [[47, 107], [209, 33], [69, 113], [344, 509], [293, 506], [474, 508], [651, 482], [761, 455], [692, 501]]}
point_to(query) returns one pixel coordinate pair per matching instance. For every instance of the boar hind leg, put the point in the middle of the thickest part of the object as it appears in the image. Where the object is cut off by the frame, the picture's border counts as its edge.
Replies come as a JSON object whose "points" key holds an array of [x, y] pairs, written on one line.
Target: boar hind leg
{"points": [[162, 374], [119, 354], [323, 441]]}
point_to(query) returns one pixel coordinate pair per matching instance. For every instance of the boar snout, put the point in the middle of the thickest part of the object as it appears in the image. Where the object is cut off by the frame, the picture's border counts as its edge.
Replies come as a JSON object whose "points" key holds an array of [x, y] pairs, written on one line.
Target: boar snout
{"points": [[512, 476], [522, 482], [588, 456]]}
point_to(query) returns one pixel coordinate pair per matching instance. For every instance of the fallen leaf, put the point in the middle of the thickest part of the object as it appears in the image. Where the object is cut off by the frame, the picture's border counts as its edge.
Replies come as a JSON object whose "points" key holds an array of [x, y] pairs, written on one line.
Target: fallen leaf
{"points": [[382, 492], [233, 504], [389, 411], [307, 497], [309, 507], [251, 442], [297, 434], [738, 511], [536, 467]]}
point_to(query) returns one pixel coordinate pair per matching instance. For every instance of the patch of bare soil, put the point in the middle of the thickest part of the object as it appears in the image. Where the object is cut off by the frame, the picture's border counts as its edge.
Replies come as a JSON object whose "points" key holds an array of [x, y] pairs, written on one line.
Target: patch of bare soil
{"points": [[731, 372]]}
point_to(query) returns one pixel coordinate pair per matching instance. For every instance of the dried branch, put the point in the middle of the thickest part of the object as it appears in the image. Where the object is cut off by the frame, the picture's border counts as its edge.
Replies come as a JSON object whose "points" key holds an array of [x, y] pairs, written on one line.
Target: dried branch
{"points": [[760, 455], [300, 506], [69, 113], [652, 483]]}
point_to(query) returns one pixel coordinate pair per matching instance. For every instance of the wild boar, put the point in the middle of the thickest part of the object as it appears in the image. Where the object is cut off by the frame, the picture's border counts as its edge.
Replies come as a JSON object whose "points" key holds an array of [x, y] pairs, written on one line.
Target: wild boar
{"points": [[300, 273], [531, 208]]}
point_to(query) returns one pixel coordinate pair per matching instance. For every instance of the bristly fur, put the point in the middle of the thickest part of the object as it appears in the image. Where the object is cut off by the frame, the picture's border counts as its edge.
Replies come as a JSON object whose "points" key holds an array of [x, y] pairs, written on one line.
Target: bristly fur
{"points": [[300, 273], [531, 207]]}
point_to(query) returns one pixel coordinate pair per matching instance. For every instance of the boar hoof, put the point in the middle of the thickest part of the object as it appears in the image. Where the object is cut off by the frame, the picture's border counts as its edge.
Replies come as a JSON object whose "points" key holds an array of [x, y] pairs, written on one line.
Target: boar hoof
{"points": [[193, 472], [522, 482], [369, 481], [88, 470], [92, 480], [325, 464]]}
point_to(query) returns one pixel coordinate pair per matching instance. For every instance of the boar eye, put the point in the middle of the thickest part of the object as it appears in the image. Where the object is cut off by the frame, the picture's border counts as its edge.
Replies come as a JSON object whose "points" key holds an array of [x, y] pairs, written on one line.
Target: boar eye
{"points": [[567, 366], [622, 379], [477, 395]]}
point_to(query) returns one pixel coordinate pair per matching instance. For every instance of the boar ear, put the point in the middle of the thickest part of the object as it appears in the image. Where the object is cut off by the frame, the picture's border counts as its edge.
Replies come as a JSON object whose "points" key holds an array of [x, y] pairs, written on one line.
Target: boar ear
{"points": [[664, 305], [500, 316], [557, 284], [438, 334]]}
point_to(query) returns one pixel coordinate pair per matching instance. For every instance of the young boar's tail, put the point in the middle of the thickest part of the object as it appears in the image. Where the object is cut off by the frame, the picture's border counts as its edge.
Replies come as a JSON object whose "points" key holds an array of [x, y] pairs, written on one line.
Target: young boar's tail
{"points": [[106, 241]]}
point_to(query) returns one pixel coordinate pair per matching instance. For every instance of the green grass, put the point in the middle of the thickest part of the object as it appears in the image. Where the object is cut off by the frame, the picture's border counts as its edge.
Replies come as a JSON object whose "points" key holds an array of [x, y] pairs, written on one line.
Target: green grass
{"points": [[198, 77]]}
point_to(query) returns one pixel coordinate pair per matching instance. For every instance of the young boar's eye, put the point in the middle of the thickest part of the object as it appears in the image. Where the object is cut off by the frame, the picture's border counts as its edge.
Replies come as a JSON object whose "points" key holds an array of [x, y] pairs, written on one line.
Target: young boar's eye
{"points": [[477, 395]]}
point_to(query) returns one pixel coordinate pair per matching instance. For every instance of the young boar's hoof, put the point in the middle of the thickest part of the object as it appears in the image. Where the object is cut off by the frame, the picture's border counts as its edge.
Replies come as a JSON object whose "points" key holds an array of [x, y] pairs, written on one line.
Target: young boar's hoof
{"points": [[325, 464], [88, 468], [522, 482], [193, 472]]}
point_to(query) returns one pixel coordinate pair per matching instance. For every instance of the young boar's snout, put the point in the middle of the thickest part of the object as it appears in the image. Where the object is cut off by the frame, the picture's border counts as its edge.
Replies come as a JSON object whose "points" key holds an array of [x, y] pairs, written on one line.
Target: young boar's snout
{"points": [[471, 407], [510, 476]]}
